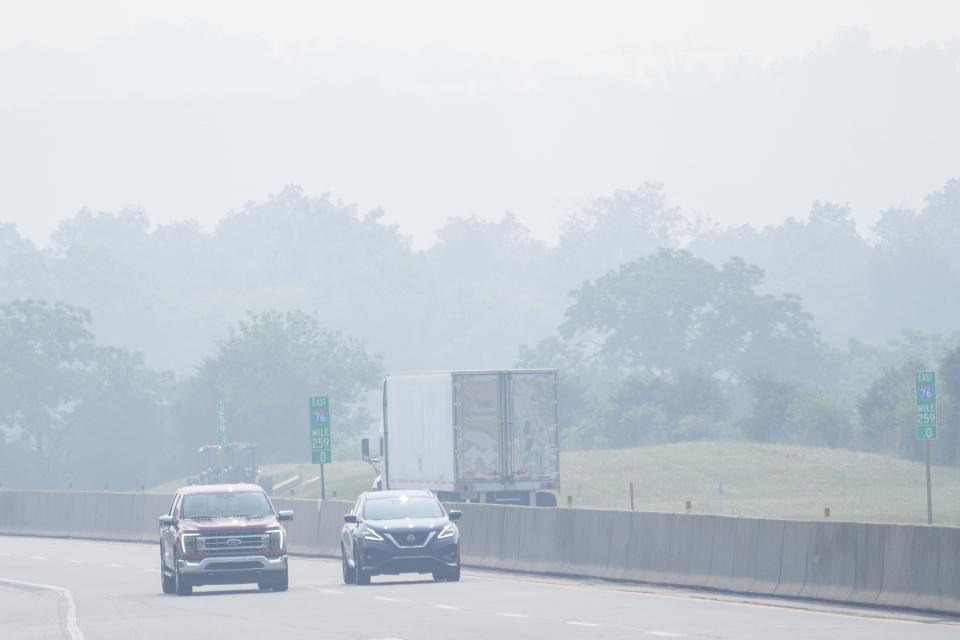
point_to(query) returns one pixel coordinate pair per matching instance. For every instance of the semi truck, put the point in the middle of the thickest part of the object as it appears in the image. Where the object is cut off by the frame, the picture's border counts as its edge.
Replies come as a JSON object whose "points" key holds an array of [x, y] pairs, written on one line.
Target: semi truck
{"points": [[474, 436]]}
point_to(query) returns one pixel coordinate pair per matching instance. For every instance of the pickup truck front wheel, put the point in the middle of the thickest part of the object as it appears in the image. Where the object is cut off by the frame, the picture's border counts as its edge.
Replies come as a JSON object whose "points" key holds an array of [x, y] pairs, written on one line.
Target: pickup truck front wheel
{"points": [[182, 587], [283, 582], [167, 583]]}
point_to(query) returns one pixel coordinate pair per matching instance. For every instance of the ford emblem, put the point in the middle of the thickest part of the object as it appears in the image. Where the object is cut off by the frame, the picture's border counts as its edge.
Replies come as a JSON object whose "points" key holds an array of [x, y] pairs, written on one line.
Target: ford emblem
{"points": [[234, 542], [411, 538]]}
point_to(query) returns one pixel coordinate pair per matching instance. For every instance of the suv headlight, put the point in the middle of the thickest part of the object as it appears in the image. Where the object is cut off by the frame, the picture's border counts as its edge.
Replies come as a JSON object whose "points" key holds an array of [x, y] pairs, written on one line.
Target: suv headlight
{"points": [[370, 534], [448, 531], [188, 542], [275, 542]]}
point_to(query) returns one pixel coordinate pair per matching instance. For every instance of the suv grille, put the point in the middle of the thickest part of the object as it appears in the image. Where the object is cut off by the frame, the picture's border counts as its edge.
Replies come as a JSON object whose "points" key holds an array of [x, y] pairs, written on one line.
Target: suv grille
{"points": [[233, 542], [402, 538]]}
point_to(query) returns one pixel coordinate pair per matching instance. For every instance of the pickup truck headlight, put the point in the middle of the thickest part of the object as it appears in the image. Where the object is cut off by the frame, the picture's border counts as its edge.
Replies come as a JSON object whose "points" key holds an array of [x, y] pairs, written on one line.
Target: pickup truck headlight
{"points": [[275, 539], [188, 542], [370, 534], [448, 531]]}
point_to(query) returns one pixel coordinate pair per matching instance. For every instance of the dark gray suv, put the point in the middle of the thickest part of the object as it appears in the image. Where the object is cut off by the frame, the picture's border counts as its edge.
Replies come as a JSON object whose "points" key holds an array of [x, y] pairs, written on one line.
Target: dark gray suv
{"points": [[394, 532]]}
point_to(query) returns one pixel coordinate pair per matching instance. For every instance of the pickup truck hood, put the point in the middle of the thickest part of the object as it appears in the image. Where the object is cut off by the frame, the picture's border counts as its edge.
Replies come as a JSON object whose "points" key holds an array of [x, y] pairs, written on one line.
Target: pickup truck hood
{"points": [[228, 524]]}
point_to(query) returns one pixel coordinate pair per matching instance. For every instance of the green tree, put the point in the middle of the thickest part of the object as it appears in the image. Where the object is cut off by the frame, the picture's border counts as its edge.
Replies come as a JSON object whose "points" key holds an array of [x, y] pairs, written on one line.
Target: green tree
{"points": [[121, 415], [816, 418], [672, 311], [947, 448], [265, 371], [46, 352], [772, 398], [888, 412]]}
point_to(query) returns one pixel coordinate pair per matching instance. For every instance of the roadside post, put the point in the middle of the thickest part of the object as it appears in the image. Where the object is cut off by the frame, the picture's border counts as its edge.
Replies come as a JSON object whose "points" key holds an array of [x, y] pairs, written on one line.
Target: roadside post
{"points": [[320, 439], [221, 432], [927, 423]]}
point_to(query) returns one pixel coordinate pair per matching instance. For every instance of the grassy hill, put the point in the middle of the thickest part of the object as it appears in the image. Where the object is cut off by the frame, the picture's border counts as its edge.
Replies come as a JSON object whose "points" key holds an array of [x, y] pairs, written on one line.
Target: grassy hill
{"points": [[759, 480]]}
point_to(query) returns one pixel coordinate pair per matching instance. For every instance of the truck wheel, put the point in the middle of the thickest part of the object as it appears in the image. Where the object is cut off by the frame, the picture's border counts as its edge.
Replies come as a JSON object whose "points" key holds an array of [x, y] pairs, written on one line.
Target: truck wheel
{"points": [[283, 582], [349, 573], [545, 499], [167, 583], [183, 588], [363, 577]]}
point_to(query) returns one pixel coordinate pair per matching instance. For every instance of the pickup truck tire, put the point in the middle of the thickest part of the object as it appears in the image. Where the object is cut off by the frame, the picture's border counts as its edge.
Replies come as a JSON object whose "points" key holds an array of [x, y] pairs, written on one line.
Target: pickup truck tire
{"points": [[181, 586], [349, 573], [363, 577], [283, 582], [167, 583]]}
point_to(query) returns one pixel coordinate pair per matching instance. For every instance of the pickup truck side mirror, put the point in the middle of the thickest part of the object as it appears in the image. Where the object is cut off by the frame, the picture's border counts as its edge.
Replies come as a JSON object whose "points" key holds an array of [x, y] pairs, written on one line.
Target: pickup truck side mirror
{"points": [[350, 518], [285, 516], [455, 515], [167, 521]]}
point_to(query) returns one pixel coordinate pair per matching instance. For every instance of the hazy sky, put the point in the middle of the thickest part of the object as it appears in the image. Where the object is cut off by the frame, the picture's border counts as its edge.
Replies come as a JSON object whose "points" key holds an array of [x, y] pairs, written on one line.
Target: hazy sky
{"points": [[51, 176]]}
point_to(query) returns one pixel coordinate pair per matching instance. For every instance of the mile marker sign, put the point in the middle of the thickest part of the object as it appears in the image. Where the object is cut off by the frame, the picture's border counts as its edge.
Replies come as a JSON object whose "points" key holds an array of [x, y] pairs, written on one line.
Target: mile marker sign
{"points": [[320, 440], [926, 406]]}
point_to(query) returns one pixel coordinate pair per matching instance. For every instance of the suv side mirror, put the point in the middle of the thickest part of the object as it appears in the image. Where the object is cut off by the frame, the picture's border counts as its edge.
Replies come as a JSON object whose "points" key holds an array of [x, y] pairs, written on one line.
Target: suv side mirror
{"points": [[365, 448], [285, 516], [167, 521], [350, 518], [455, 515]]}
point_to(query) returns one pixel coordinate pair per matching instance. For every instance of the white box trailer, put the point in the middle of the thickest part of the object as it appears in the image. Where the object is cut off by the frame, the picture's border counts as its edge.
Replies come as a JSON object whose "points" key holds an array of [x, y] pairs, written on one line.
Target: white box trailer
{"points": [[486, 436]]}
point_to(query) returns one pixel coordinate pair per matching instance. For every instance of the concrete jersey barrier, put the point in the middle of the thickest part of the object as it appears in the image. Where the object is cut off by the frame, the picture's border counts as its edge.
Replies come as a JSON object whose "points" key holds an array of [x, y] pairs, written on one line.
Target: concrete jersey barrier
{"points": [[891, 565]]}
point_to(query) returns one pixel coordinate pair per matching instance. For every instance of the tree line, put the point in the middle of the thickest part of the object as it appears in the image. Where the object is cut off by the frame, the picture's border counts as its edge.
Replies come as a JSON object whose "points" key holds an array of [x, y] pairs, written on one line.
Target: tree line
{"points": [[119, 337]]}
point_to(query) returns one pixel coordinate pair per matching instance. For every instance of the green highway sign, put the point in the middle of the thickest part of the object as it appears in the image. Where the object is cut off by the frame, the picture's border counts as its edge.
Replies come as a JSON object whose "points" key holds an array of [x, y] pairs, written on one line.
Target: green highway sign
{"points": [[221, 422], [926, 405], [320, 440]]}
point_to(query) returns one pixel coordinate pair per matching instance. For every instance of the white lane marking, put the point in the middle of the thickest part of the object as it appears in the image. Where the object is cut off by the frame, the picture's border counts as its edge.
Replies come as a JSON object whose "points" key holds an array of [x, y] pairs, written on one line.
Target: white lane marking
{"points": [[38, 557], [331, 591], [664, 633], [153, 570], [583, 624], [446, 606], [116, 566], [513, 615], [76, 561], [72, 628], [385, 599]]}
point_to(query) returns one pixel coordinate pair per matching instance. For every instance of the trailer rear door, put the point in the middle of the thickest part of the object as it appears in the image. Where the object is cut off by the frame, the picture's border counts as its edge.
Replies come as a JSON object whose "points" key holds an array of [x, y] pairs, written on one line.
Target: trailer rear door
{"points": [[478, 423], [534, 447]]}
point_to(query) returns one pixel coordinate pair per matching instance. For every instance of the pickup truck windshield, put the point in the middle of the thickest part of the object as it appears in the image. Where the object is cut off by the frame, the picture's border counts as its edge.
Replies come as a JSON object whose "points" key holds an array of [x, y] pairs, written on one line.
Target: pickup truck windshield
{"points": [[253, 504], [402, 507]]}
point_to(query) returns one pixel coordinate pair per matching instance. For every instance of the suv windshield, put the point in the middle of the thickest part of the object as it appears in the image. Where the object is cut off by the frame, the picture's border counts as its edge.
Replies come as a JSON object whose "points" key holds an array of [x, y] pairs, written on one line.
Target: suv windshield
{"points": [[402, 507], [252, 504]]}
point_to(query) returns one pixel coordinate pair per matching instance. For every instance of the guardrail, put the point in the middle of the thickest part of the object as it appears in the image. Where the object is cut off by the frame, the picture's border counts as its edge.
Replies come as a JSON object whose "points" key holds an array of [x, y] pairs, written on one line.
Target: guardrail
{"points": [[879, 564]]}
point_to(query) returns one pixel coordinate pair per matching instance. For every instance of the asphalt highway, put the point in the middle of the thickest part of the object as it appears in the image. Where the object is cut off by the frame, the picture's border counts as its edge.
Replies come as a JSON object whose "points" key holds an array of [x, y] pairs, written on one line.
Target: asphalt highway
{"points": [[78, 589]]}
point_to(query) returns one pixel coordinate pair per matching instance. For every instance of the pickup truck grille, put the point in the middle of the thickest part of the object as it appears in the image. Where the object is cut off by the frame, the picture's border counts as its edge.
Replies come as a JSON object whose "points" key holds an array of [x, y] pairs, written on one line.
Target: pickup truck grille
{"points": [[233, 542]]}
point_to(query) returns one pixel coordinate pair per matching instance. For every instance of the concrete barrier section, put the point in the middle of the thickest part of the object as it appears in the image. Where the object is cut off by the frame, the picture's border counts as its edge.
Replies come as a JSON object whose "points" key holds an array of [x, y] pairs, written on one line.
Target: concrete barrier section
{"points": [[793, 562], [539, 542], [920, 568], [831, 560], [619, 527], [889, 565]]}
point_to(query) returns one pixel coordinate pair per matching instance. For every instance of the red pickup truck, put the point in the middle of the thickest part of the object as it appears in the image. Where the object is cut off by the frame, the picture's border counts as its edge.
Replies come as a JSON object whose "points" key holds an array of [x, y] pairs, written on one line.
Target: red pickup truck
{"points": [[223, 534]]}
